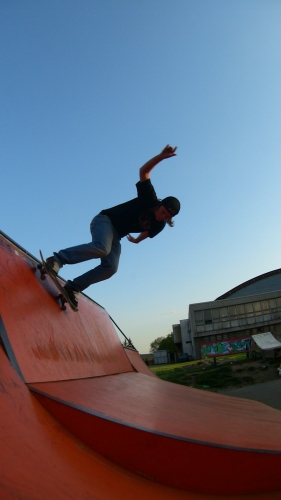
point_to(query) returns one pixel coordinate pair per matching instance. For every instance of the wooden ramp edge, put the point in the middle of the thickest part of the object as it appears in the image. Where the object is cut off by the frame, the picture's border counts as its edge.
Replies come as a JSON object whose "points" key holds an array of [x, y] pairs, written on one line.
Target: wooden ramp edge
{"points": [[138, 364], [142, 424]]}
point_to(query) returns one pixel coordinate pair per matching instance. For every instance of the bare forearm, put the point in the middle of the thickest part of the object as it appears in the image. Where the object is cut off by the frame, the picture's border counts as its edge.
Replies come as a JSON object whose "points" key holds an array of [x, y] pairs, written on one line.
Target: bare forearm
{"points": [[139, 238], [145, 170], [148, 166]]}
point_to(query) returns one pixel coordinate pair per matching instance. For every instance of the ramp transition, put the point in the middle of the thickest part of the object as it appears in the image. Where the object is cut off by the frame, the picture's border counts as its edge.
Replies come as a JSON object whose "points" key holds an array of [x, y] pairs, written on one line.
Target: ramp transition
{"points": [[81, 417]]}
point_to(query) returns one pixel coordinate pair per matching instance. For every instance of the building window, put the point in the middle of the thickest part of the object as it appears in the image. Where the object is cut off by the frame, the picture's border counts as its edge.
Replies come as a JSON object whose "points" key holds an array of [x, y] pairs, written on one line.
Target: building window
{"points": [[232, 312], [258, 309], [273, 305], [224, 314], [278, 300], [199, 317], [241, 311], [249, 309], [208, 316], [265, 307], [216, 315]]}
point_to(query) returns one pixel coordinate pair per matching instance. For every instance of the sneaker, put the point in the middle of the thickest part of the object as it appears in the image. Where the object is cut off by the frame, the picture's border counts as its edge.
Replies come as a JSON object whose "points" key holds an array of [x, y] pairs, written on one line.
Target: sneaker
{"points": [[72, 294], [53, 266]]}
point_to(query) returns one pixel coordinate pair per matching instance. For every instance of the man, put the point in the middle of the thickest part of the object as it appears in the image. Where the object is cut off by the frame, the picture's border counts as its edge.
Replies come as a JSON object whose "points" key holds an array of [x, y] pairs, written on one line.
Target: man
{"points": [[145, 215]]}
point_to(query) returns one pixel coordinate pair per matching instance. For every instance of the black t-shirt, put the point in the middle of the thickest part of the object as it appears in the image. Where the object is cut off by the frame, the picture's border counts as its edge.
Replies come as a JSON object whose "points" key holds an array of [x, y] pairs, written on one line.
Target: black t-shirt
{"points": [[135, 216]]}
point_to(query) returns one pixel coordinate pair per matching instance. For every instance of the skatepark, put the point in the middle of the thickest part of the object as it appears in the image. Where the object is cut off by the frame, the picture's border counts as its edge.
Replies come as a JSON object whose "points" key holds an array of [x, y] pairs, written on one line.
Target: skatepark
{"points": [[83, 417]]}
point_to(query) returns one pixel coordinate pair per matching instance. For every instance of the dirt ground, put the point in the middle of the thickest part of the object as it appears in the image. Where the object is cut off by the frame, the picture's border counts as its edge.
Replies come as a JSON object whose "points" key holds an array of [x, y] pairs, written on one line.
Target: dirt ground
{"points": [[231, 372], [242, 374], [260, 370], [255, 379]]}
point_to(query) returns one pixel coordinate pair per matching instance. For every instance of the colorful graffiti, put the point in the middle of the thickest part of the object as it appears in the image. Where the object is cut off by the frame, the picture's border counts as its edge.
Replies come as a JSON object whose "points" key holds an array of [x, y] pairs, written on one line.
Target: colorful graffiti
{"points": [[228, 346]]}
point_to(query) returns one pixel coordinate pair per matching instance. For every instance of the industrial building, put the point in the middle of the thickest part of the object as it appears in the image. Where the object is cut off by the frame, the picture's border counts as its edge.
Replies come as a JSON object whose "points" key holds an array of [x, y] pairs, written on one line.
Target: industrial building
{"points": [[248, 309]]}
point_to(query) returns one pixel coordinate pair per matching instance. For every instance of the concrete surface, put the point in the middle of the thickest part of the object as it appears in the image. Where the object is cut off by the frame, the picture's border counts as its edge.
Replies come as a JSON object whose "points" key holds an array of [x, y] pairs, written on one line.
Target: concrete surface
{"points": [[268, 393]]}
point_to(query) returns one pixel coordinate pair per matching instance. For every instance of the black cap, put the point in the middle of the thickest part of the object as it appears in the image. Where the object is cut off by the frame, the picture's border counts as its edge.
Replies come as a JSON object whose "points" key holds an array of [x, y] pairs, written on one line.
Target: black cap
{"points": [[172, 205]]}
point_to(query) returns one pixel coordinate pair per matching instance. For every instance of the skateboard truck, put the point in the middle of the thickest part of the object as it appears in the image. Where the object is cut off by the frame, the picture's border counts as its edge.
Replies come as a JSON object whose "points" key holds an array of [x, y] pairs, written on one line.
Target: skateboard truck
{"points": [[63, 297], [60, 298], [62, 301], [42, 271]]}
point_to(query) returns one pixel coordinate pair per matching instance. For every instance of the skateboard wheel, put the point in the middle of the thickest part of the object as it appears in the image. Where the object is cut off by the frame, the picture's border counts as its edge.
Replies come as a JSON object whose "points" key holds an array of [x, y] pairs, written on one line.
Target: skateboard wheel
{"points": [[62, 302], [42, 272]]}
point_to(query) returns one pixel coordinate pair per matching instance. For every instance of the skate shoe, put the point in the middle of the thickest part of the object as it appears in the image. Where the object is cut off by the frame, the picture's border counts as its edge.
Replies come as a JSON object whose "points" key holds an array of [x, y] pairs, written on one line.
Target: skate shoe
{"points": [[72, 294], [53, 266]]}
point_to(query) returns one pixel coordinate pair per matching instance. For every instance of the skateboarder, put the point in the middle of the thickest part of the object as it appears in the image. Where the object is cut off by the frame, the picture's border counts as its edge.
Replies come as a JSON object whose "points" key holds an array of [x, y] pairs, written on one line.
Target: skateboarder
{"points": [[146, 215]]}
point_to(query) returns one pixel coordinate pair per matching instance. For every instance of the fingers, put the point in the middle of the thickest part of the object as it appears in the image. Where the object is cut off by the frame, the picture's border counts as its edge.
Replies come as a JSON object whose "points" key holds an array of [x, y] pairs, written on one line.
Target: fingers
{"points": [[170, 150]]}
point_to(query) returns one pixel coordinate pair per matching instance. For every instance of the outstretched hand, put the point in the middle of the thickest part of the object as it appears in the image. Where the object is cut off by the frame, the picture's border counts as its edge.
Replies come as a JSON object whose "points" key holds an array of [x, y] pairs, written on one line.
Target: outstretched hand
{"points": [[145, 170], [142, 236], [168, 151], [131, 238]]}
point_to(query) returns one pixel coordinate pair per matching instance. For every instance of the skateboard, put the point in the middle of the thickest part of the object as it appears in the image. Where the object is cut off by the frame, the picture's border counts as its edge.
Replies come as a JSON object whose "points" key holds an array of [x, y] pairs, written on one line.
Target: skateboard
{"points": [[63, 297]]}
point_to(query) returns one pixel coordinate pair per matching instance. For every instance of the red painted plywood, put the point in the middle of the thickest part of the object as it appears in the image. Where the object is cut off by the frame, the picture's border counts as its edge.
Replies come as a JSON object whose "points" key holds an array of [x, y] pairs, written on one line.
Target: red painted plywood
{"points": [[218, 444], [138, 364], [172, 409], [48, 343], [143, 423], [41, 460]]}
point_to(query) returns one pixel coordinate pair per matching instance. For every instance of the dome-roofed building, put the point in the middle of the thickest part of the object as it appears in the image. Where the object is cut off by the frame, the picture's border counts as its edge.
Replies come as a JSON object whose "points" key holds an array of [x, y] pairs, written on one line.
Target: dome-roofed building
{"points": [[250, 308], [267, 282]]}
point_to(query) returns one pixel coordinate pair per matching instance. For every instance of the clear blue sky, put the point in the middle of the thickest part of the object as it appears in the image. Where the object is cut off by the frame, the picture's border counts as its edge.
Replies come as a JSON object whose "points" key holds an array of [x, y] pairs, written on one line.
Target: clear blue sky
{"points": [[90, 90]]}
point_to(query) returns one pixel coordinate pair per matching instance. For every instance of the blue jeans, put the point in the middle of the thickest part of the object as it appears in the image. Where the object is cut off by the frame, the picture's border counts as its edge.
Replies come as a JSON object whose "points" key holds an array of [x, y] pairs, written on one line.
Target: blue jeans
{"points": [[105, 245]]}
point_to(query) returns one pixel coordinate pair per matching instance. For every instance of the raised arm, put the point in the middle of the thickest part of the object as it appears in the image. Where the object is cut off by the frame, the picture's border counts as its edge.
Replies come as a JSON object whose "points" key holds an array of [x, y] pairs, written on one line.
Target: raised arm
{"points": [[145, 170]]}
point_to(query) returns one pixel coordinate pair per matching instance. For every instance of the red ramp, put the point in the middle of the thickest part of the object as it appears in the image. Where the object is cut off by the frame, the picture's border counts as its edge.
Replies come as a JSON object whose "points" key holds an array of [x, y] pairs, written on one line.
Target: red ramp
{"points": [[77, 368], [46, 342], [41, 460], [142, 424]]}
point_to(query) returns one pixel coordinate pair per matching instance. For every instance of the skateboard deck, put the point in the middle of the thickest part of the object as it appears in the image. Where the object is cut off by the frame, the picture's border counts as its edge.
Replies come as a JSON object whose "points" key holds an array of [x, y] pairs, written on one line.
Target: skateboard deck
{"points": [[63, 297]]}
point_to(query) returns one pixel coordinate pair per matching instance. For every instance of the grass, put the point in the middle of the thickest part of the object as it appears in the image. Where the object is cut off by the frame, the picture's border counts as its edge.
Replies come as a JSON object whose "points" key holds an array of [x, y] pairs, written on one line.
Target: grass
{"points": [[228, 372], [203, 377]]}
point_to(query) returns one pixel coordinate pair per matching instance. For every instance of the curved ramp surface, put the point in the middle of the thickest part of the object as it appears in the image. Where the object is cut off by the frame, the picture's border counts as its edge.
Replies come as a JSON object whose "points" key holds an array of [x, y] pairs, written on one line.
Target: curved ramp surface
{"points": [[108, 408], [45, 342], [41, 460], [132, 412]]}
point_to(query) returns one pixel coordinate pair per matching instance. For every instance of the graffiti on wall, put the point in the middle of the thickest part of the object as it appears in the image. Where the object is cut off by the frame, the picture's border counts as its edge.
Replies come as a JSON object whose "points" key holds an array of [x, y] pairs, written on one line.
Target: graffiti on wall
{"points": [[224, 347]]}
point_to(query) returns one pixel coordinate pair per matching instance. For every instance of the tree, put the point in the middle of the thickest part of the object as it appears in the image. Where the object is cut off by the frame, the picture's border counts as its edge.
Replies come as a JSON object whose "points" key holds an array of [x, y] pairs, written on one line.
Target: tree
{"points": [[165, 343], [168, 343], [154, 346], [128, 343]]}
